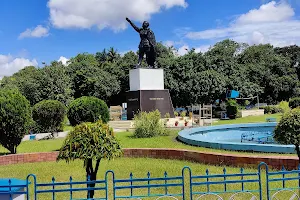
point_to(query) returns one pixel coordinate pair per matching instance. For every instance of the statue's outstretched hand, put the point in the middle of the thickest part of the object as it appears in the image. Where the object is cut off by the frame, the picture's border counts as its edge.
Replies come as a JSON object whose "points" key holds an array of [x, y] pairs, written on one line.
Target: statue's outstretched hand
{"points": [[127, 19]]}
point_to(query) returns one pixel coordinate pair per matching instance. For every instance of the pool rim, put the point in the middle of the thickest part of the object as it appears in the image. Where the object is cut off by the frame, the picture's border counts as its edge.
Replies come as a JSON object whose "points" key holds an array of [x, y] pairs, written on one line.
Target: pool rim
{"points": [[184, 136]]}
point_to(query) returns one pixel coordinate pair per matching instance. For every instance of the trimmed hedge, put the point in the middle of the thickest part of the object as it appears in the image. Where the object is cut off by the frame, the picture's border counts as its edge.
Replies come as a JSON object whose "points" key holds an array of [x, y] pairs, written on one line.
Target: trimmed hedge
{"points": [[87, 109], [272, 109], [49, 116], [15, 119], [294, 102]]}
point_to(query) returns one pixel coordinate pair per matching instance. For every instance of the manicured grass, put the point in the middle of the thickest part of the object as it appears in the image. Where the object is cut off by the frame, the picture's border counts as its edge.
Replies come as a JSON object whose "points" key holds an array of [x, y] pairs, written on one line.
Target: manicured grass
{"points": [[157, 142], [122, 168], [250, 119]]}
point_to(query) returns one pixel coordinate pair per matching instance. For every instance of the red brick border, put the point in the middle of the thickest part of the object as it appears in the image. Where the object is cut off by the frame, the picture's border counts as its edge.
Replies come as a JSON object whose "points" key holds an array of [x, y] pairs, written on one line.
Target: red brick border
{"points": [[235, 160]]}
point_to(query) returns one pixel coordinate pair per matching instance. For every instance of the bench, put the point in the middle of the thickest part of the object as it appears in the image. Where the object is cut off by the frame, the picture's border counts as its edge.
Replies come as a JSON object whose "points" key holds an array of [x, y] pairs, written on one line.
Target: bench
{"points": [[271, 119]]}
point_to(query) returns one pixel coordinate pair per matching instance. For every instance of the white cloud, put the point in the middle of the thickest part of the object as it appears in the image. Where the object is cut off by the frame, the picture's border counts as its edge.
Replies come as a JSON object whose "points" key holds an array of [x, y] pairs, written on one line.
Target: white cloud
{"points": [[183, 50], [203, 48], [105, 13], [37, 32], [270, 12], [271, 23], [64, 60], [169, 43], [10, 65]]}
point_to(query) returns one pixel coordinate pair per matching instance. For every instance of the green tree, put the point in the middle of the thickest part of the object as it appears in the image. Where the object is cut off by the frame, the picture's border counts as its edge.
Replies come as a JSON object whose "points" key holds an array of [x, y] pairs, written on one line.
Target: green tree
{"points": [[49, 115], [15, 119], [87, 109], [90, 78], [287, 131], [90, 142]]}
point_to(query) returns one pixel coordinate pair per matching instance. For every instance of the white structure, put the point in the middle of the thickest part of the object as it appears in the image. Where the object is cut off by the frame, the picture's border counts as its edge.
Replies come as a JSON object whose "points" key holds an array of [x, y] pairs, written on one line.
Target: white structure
{"points": [[4, 191], [146, 79], [14, 196]]}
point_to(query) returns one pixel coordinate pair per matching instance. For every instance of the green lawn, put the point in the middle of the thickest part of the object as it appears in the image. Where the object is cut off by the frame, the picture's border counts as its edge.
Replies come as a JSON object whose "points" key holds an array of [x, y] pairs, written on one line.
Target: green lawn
{"points": [[128, 142], [122, 168], [250, 119]]}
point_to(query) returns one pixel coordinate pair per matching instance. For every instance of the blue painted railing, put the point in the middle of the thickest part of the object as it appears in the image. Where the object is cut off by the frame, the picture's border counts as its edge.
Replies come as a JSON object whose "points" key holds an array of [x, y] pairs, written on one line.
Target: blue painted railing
{"points": [[261, 184]]}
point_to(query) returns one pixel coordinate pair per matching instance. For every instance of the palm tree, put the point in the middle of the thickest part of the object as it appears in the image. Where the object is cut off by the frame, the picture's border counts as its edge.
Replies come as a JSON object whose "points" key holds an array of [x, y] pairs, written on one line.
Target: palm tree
{"points": [[112, 55]]}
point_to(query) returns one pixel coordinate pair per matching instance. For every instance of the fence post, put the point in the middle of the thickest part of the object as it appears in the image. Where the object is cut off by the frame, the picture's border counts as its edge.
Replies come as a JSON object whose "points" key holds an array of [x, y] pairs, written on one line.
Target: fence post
{"points": [[189, 184], [34, 186], [106, 185], [260, 181]]}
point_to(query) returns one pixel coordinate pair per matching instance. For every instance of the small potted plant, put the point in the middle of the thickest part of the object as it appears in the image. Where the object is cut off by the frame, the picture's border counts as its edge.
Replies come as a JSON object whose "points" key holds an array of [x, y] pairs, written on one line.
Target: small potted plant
{"points": [[176, 123], [182, 115], [176, 114], [167, 116], [186, 122]]}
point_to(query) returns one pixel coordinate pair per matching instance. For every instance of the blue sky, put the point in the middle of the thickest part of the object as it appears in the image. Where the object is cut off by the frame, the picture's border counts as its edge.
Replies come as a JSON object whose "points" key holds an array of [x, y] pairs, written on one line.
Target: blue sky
{"points": [[34, 31]]}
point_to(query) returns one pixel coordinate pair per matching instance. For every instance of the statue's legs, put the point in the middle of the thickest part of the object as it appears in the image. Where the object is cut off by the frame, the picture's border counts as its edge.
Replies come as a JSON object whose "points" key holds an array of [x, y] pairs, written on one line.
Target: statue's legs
{"points": [[141, 56], [150, 57]]}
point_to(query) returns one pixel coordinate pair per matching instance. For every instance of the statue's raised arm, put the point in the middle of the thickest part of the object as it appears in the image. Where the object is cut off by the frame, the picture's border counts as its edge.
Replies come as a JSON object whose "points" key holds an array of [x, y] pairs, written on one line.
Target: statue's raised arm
{"points": [[133, 25]]}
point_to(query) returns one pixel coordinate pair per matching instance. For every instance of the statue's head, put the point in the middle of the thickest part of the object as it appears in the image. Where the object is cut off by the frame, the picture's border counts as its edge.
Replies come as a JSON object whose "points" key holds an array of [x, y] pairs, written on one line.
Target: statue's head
{"points": [[145, 24]]}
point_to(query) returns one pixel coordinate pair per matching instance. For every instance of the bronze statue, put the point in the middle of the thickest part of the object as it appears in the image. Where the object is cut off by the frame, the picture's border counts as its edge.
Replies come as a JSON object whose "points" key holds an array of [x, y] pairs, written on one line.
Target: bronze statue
{"points": [[147, 44]]}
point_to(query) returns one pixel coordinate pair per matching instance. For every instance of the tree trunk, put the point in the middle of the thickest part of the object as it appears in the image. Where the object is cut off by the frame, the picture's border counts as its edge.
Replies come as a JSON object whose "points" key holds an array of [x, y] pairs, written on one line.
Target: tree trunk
{"points": [[91, 175], [298, 151], [12, 149]]}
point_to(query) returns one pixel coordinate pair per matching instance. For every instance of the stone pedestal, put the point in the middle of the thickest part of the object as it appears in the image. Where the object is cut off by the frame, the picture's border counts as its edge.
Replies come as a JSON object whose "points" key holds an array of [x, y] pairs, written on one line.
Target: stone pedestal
{"points": [[147, 93], [146, 79]]}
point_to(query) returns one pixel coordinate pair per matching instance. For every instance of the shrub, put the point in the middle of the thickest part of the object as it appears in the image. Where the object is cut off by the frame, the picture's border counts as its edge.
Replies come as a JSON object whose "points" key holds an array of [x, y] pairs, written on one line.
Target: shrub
{"points": [[287, 130], [294, 102], [90, 142], [272, 109], [183, 114], [15, 119], [231, 108], [167, 115], [284, 106], [87, 109], [148, 125], [49, 115], [239, 114], [176, 114]]}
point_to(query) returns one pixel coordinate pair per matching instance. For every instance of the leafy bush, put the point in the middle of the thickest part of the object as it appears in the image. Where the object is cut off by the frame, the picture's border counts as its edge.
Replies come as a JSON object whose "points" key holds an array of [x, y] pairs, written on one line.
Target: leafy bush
{"points": [[87, 109], [176, 114], [239, 114], [272, 109], [49, 115], [231, 108], [183, 114], [148, 125], [15, 119], [167, 115], [90, 142], [284, 106], [287, 130], [294, 102]]}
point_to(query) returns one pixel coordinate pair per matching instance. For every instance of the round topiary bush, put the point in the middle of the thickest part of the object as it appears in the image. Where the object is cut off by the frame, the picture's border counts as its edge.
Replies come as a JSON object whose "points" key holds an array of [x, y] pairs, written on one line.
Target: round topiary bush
{"points": [[287, 130], [87, 109], [49, 116], [294, 102], [15, 119]]}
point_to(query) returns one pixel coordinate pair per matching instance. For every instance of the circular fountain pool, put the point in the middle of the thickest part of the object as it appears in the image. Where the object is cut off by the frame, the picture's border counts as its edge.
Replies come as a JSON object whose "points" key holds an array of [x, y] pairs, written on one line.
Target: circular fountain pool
{"points": [[241, 137]]}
